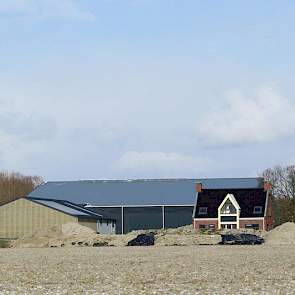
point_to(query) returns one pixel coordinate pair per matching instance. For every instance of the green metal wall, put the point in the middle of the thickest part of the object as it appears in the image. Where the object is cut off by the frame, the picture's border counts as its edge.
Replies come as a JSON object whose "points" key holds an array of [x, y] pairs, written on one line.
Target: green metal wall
{"points": [[24, 217]]}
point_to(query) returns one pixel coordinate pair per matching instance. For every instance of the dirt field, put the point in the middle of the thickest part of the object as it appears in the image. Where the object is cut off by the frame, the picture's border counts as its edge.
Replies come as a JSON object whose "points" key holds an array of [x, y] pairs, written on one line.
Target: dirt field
{"points": [[149, 270]]}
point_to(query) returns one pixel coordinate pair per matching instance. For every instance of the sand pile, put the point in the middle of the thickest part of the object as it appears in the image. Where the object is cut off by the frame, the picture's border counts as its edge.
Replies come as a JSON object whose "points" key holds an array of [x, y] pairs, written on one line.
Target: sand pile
{"points": [[71, 229], [57, 236], [71, 235], [185, 236], [282, 235], [183, 230]]}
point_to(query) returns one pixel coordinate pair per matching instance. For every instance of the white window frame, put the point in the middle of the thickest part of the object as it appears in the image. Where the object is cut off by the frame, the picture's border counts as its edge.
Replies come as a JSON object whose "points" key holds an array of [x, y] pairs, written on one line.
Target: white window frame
{"points": [[201, 212], [234, 202], [260, 210]]}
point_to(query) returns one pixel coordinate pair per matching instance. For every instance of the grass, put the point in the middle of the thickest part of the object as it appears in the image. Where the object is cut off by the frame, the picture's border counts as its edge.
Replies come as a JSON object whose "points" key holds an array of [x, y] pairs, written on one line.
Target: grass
{"points": [[4, 243]]}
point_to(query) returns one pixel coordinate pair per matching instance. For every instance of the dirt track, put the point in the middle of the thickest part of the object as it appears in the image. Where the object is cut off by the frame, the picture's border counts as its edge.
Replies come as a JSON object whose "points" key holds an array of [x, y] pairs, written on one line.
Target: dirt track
{"points": [[149, 270]]}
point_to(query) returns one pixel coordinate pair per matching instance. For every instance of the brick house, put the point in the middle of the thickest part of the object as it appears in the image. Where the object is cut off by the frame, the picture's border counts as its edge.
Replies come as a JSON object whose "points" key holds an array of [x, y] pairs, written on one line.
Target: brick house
{"points": [[233, 208]]}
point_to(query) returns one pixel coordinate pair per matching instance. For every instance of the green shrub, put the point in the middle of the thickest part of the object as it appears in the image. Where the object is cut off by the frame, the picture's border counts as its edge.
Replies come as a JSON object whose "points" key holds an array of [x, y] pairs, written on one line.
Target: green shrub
{"points": [[4, 243]]}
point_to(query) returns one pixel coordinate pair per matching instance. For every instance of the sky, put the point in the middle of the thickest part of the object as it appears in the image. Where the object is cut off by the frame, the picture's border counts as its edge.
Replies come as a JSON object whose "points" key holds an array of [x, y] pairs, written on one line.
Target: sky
{"points": [[107, 89]]}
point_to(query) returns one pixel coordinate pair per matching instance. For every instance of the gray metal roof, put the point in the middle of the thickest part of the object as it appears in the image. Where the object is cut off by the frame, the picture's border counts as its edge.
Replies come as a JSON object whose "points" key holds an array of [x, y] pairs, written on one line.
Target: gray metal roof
{"points": [[67, 208], [138, 191]]}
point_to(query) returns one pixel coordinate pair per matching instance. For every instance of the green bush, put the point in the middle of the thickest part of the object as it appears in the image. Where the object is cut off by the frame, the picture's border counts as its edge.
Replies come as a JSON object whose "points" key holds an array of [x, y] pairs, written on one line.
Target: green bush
{"points": [[4, 243]]}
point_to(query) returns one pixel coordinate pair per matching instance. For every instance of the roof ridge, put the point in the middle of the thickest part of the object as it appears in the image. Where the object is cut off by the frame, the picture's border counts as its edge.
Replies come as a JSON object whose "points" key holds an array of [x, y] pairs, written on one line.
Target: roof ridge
{"points": [[152, 179]]}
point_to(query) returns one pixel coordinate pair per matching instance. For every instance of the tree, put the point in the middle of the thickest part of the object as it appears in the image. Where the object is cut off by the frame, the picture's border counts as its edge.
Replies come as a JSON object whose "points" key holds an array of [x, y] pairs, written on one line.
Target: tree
{"points": [[283, 182], [14, 185]]}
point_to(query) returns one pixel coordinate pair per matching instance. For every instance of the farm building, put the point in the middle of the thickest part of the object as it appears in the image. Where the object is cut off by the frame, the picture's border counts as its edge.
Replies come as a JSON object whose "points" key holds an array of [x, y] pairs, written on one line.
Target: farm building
{"points": [[143, 203], [26, 215], [233, 208]]}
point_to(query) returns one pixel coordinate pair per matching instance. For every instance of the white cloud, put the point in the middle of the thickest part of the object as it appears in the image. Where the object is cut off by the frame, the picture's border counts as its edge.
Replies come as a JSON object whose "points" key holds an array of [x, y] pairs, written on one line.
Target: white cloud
{"points": [[265, 117], [162, 164], [16, 126], [44, 9]]}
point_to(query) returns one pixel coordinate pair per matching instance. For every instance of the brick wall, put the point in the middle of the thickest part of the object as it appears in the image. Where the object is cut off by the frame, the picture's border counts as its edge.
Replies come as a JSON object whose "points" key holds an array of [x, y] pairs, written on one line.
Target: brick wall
{"points": [[196, 223], [243, 222], [269, 217]]}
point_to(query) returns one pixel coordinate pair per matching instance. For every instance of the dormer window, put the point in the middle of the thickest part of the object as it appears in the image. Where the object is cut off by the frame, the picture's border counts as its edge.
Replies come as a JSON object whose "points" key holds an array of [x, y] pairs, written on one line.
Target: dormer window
{"points": [[203, 210], [257, 210]]}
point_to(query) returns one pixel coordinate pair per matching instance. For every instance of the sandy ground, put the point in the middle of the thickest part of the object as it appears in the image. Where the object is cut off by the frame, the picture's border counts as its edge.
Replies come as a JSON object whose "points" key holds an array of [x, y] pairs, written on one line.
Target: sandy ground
{"points": [[266, 269]]}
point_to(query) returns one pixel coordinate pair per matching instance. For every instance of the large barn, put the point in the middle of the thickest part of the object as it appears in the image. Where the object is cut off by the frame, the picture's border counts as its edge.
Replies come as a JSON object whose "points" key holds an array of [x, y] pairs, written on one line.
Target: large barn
{"points": [[143, 203], [24, 216]]}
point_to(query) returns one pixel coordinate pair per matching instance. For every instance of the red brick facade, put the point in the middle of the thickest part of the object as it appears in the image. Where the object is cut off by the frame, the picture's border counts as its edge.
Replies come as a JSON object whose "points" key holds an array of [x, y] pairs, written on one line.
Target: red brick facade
{"points": [[199, 187], [269, 216], [265, 223], [244, 222], [198, 222]]}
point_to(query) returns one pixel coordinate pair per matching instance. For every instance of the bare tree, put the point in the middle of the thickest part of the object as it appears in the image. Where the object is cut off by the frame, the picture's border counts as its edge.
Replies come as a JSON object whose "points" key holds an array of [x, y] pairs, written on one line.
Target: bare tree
{"points": [[283, 182], [14, 185]]}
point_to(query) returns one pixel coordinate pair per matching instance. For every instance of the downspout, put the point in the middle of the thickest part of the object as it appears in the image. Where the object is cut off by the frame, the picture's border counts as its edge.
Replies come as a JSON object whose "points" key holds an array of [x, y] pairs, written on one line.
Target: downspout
{"points": [[163, 216], [122, 220]]}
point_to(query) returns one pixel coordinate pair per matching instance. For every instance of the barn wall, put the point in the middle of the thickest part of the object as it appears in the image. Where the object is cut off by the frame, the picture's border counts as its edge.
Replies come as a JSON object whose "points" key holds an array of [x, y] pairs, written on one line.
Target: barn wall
{"points": [[106, 227], [137, 218], [110, 212], [23, 217], [91, 223], [176, 216], [146, 217]]}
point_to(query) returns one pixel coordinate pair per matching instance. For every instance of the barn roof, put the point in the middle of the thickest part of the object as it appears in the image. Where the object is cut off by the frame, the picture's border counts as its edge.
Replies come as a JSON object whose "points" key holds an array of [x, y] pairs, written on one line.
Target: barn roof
{"points": [[67, 208], [137, 191]]}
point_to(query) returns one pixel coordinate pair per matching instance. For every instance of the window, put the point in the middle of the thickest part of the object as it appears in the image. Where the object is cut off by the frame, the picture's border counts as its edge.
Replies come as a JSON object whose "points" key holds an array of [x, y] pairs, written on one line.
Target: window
{"points": [[257, 210], [254, 226], [211, 226], [228, 218], [202, 226], [228, 208], [203, 210]]}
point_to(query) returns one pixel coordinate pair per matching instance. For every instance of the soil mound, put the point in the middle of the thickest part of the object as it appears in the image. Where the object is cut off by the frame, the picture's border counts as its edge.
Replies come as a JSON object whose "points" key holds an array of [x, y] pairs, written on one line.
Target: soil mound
{"points": [[282, 235], [68, 234], [72, 229], [185, 236]]}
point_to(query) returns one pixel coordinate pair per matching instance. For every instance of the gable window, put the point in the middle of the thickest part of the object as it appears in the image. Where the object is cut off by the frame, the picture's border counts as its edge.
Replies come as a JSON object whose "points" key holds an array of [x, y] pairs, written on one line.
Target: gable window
{"points": [[229, 213], [257, 210], [203, 210], [228, 208]]}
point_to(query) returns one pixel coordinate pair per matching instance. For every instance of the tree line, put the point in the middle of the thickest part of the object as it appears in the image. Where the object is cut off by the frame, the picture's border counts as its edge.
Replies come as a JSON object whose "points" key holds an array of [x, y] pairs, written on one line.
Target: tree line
{"points": [[14, 185], [283, 191]]}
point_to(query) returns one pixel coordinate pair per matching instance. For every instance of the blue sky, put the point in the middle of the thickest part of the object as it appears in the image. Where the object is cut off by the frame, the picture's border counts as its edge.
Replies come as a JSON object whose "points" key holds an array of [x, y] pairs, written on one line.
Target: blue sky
{"points": [[146, 88]]}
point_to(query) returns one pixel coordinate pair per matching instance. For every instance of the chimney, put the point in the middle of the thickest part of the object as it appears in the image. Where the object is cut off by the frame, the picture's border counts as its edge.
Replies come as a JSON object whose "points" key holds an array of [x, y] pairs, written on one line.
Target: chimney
{"points": [[199, 187], [267, 186]]}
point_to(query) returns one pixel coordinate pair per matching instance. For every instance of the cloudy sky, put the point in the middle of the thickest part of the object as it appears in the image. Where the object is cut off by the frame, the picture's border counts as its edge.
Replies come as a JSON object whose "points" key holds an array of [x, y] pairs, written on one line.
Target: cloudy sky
{"points": [[146, 88]]}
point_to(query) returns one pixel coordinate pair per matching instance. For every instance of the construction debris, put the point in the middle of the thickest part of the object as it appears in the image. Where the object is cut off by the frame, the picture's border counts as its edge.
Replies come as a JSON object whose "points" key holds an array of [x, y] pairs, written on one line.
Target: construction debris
{"points": [[76, 235]]}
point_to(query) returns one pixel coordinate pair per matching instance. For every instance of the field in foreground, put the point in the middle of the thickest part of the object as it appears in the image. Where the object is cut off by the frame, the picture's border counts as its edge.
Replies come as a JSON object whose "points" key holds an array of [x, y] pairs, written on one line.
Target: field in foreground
{"points": [[149, 270]]}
